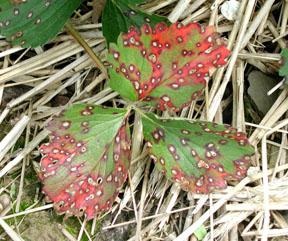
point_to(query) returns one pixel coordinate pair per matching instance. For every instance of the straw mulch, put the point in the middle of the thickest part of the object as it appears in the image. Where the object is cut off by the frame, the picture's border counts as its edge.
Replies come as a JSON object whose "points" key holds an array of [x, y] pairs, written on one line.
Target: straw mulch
{"points": [[36, 83]]}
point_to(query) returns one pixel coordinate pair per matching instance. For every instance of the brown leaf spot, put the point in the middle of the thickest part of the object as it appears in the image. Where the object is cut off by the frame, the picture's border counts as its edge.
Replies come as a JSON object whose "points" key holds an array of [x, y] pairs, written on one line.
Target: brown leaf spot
{"points": [[171, 149], [16, 11], [162, 161], [152, 58]]}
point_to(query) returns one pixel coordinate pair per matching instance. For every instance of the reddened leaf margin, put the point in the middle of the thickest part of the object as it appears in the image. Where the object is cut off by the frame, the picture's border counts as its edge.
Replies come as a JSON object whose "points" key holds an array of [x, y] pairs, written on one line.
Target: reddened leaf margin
{"points": [[86, 161]]}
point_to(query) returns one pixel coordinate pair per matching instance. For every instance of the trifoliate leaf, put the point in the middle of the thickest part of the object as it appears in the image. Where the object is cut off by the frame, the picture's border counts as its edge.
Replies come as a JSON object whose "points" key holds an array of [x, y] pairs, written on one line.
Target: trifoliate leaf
{"points": [[200, 156], [166, 67], [119, 15], [30, 23], [85, 163]]}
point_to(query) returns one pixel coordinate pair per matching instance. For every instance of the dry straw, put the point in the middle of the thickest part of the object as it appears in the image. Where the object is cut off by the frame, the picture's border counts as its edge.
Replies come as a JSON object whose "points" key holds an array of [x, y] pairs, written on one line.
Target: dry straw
{"points": [[253, 208]]}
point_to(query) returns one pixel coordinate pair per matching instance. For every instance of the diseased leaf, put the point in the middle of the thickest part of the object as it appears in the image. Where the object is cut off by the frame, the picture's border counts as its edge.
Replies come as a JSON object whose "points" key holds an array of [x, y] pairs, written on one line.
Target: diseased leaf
{"points": [[31, 23], [119, 15], [166, 67], [85, 164], [200, 156]]}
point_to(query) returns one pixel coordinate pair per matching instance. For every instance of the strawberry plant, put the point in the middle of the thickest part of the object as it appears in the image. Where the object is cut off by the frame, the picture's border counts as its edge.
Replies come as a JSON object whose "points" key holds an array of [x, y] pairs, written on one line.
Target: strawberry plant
{"points": [[163, 67]]}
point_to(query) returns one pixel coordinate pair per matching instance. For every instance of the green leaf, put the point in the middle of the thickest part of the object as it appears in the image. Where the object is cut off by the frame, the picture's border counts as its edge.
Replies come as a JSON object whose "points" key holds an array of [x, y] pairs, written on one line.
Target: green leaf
{"points": [[167, 67], [85, 164], [200, 156], [200, 233], [133, 2], [113, 21], [283, 71], [119, 15], [31, 23]]}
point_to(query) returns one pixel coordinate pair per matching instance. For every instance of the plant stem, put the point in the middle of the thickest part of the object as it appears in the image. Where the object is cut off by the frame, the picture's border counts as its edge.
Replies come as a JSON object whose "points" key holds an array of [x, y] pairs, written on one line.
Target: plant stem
{"points": [[73, 32], [142, 113]]}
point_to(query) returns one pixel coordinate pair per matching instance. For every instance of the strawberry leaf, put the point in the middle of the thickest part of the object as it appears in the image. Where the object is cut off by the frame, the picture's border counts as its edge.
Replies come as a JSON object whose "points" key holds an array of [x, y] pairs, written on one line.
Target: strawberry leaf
{"points": [[200, 156], [119, 15], [85, 164], [166, 66], [33, 22]]}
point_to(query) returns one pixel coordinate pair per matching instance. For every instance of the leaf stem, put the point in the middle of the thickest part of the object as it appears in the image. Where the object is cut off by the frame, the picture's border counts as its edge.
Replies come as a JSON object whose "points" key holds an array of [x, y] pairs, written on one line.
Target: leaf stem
{"points": [[129, 108], [74, 33], [142, 113], [138, 110]]}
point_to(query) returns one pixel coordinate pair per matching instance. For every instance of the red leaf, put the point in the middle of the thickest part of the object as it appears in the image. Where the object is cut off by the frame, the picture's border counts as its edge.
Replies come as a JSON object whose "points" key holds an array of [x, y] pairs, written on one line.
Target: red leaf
{"points": [[85, 164], [165, 66]]}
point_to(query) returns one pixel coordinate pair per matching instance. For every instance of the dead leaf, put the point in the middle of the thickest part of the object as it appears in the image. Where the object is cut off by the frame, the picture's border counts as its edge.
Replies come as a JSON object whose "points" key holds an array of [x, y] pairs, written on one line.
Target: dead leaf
{"points": [[98, 6]]}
